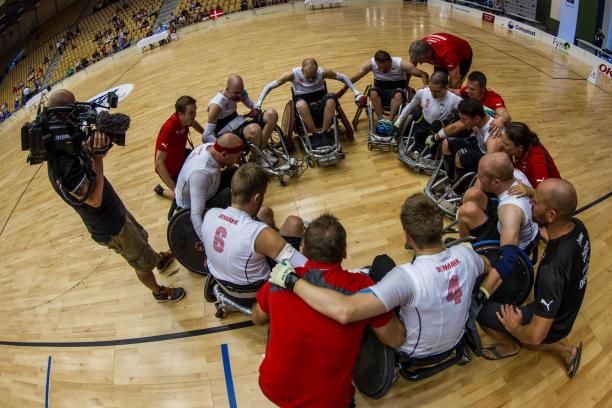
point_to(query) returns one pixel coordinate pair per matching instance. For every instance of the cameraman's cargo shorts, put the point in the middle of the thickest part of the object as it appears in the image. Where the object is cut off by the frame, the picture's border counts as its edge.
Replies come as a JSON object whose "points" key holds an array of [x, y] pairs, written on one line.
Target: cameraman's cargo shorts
{"points": [[133, 245]]}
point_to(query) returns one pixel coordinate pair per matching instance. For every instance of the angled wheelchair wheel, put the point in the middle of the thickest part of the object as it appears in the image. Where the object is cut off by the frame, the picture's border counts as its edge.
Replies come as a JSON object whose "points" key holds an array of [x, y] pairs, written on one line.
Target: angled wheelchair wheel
{"points": [[185, 243], [349, 132], [375, 368], [209, 294], [288, 125], [359, 111], [516, 287]]}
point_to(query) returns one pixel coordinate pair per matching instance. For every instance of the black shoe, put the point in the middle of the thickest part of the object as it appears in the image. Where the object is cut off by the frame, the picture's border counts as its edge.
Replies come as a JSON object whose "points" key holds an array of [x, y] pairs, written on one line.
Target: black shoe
{"points": [[166, 258], [167, 294], [159, 190]]}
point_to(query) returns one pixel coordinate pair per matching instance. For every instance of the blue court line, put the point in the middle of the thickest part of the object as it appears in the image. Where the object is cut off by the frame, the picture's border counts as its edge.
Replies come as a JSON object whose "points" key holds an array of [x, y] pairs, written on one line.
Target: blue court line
{"points": [[47, 386], [229, 382]]}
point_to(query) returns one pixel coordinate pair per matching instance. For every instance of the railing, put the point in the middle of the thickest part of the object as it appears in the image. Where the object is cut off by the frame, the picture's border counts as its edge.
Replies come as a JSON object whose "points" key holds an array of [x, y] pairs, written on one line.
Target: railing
{"points": [[593, 49]]}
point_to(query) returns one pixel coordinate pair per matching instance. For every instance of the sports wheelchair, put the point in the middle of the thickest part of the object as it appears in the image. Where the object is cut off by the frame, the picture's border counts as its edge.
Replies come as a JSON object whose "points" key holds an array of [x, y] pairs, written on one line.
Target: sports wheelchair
{"points": [[378, 365], [412, 150], [185, 243], [229, 298], [444, 192], [381, 136], [275, 159], [326, 154]]}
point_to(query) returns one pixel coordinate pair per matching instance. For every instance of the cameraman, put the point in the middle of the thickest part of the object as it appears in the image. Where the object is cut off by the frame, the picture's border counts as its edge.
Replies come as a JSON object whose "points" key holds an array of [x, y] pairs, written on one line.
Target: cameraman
{"points": [[106, 218]]}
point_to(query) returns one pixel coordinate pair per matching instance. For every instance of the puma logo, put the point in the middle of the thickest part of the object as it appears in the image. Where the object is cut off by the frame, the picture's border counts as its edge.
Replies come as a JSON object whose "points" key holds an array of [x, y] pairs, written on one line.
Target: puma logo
{"points": [[165, 145], [542, 301]]}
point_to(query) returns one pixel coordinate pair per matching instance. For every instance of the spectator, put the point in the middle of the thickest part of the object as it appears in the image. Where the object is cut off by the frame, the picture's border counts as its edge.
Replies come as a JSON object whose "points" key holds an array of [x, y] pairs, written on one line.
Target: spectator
{"points": [[244, 5], [69, 71], [599, 38]]}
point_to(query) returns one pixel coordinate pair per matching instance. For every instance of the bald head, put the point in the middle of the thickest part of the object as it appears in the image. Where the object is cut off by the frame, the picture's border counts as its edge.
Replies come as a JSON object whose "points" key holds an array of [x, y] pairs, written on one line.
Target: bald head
{"points": [[229, 140], [496, 166], [559, 195], [309, 68], [60, 97], [235, 81]]}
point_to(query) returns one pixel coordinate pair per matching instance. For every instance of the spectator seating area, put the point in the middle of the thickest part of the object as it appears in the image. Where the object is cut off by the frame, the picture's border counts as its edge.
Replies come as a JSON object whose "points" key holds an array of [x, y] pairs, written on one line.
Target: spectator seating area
{"points": [[38, 51], [106, 31], [86, 32]]}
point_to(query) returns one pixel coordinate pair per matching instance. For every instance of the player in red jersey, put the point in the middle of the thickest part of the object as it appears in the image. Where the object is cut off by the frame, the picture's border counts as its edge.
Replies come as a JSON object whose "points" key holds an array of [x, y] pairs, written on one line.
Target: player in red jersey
{"points": [[445, 52]]}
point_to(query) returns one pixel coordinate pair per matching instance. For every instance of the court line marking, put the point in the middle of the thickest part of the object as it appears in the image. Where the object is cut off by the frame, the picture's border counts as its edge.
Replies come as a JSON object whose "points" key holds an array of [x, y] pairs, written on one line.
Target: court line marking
{"points": [[229, 381], [191, 333], [47, 382]]}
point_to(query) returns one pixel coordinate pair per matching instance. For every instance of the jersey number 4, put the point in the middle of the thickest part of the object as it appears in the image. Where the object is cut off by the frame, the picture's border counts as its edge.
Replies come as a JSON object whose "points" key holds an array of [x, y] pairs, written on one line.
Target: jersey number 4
{"points": [[454, 290], [219, 241]]}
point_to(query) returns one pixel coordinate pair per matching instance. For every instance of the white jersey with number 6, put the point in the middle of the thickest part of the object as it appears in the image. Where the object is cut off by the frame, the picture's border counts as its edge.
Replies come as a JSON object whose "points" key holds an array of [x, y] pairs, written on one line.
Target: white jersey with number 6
{"points": [[229, 240], [434, 293]]}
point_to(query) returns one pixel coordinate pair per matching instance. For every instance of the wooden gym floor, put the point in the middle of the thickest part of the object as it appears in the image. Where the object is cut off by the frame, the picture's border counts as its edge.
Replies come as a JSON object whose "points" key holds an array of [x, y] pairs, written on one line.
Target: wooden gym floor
{"points": [[60, 287]]}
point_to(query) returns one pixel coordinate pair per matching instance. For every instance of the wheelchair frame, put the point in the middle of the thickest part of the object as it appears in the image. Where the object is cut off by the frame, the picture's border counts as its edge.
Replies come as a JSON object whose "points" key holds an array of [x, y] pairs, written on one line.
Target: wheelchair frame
{"points": [[407, 145]]}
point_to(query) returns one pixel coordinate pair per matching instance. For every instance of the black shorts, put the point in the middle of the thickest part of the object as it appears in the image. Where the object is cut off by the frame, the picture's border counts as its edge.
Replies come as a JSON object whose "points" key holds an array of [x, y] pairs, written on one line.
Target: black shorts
{"points": [[468, 151], [316, 104], [259, 120], [464, 68], [487, 231], [488, 318], [386, 94]]}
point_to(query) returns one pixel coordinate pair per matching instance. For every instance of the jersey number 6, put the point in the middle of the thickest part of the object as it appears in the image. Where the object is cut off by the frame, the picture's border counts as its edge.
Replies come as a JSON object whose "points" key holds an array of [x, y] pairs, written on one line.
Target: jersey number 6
{"points": [[218, 242]]}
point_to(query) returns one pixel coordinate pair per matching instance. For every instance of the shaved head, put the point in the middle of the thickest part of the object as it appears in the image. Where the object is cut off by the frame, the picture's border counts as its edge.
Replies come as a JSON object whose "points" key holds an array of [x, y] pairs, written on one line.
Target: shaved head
{"points": [[559, 195], [60, 97], [309, 68], [496, 166], [235, 81], [229, 140]]}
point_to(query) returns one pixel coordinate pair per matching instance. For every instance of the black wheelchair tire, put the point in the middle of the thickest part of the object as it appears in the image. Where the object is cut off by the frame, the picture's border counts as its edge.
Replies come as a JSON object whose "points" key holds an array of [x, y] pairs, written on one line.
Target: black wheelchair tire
{"points": [[183, 241], [375, 367]]}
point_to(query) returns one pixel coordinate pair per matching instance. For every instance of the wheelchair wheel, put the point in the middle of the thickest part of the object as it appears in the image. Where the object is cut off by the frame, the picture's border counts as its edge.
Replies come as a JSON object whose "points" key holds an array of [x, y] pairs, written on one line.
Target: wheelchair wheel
{"points": [[185, 243], [514, 289], [375, 368], [348, 129], [288, 125], [209, 283]]}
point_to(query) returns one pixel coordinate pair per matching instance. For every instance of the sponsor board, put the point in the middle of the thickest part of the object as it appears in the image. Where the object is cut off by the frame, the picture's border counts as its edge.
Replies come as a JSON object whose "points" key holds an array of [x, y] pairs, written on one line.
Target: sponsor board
{"points": [[560, 44], [463, 9], [488, 17], [121, 91], [513, 25], [605, 69]]}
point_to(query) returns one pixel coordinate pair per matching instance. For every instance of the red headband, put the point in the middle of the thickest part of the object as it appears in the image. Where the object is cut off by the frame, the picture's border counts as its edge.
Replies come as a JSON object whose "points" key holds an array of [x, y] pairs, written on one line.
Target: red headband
{"points": [[229, 150]]}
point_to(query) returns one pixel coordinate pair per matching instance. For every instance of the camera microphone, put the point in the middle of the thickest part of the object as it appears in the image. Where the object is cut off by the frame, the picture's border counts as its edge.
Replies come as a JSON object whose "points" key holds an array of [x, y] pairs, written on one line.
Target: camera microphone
{"points": [[114, 125]]}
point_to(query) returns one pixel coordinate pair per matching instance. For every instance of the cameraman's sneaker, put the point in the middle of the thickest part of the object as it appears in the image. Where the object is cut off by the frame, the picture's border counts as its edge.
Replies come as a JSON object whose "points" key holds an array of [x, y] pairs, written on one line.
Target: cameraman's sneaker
{"points": [[159, 190], [167, 294], [166, 259]]}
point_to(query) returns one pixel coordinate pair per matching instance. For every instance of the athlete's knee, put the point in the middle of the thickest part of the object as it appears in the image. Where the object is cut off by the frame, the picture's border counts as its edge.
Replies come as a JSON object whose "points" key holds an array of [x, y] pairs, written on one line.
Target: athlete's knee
{"points": [[293, 227], [270, 115], [374, 94], [301, 105], [469, 210], [473, 194], [330, 103], [266, 215], [458, 162]]}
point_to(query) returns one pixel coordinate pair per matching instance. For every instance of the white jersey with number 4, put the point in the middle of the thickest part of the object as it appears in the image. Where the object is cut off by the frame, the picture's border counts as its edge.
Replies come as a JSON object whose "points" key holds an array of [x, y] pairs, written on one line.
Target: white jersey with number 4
{"points": [[434, 293], [229, 241]]}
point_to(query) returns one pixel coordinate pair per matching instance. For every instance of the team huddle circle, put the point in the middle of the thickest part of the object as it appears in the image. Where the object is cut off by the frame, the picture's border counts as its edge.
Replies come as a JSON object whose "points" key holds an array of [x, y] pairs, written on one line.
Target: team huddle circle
{"points": [[499, 259]]}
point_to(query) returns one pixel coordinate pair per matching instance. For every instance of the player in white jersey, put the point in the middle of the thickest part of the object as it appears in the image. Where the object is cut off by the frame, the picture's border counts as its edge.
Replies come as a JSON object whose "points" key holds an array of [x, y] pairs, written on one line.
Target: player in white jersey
{"points": [[461, 155], [238, 245], [510, 221], [438, 106], [433, 291], [391, 78], [314, 104], [201, 184], [223, 116]]}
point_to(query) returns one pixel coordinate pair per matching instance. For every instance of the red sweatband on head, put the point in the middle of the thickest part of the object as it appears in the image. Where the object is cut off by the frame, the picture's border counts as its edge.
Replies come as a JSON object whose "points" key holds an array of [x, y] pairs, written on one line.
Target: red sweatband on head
{"points": [[229, 150]]}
